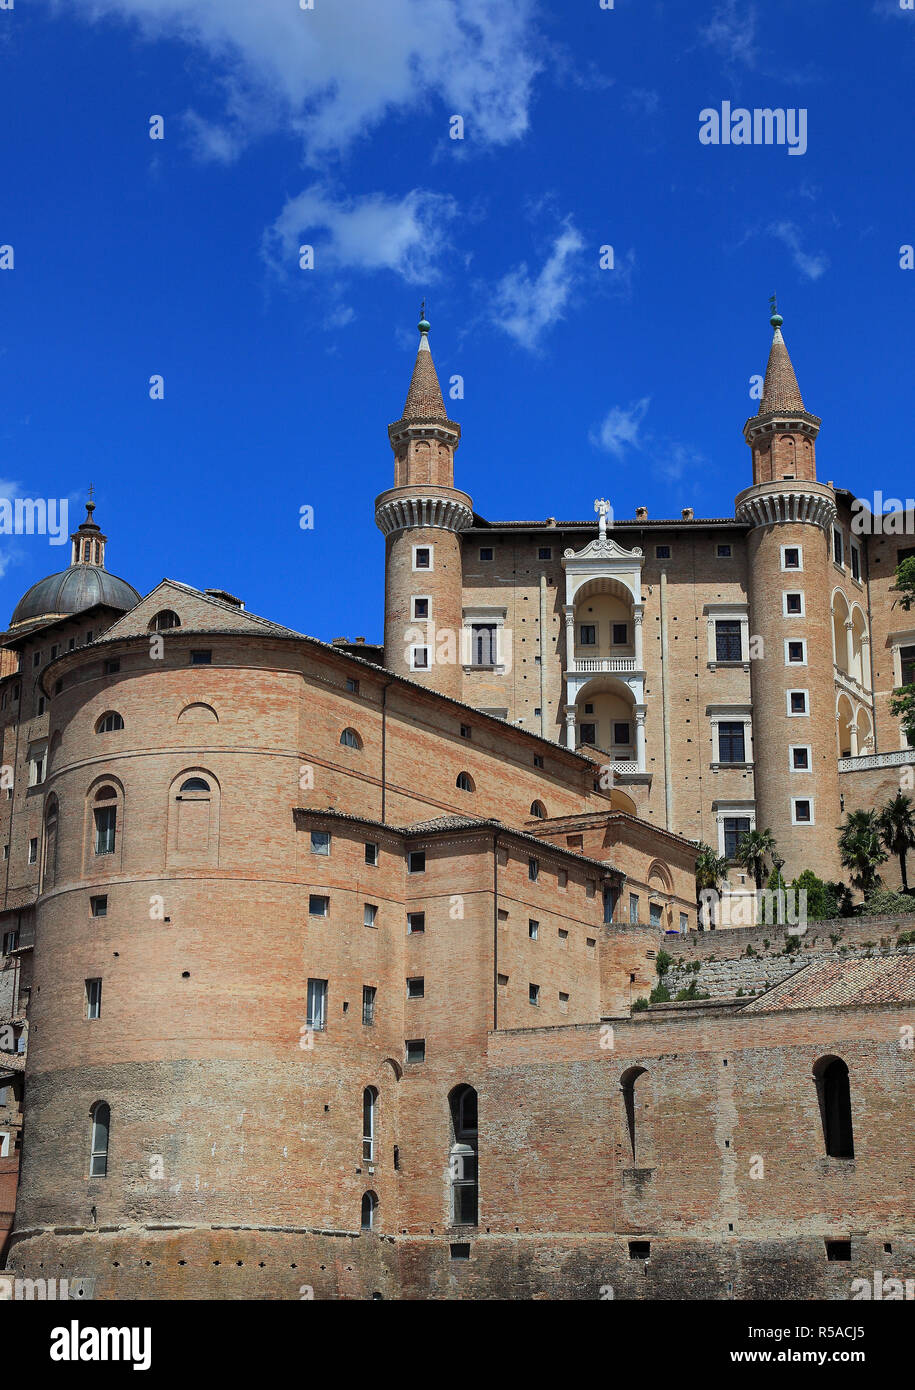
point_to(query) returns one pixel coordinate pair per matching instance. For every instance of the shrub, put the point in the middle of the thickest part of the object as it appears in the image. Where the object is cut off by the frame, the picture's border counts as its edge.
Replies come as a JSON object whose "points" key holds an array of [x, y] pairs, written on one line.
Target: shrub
{"points": [[906, 939], [639, 1005], [662, 964], [884, 902], [693, 992], [660, 994]]}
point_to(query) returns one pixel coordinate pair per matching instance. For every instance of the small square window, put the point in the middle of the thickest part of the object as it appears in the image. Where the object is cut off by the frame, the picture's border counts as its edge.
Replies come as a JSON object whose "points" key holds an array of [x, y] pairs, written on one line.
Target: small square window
{"points": [[563, 938], [466, 731], [723, 552], [587, 635], [422, 557], [640, 1249], [201, 657], [533, 870], [415, 1050], [318, 905], [371, 853], [838, 1249], [545, 552], [795, 653], [485, 552], [352, 685], [794, 603], [803, 814], [791, 557], [420, 658], [533, 929], [369, 913], [54, 650], [800, 758], [797, 701], [563, 1001], [112, 667], [416, 922], [621, 733], [620, 634], [416, 861], [416, 987], [662, 552], [98, 905], [538, 760], [420, 608], [320, 842], [533, 994]]}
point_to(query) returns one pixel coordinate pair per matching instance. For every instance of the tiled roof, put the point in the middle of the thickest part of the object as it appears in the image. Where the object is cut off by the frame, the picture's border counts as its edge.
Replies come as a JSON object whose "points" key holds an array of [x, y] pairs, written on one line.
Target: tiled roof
{"points": [[780, 390], [424, 398], [830, 984]]}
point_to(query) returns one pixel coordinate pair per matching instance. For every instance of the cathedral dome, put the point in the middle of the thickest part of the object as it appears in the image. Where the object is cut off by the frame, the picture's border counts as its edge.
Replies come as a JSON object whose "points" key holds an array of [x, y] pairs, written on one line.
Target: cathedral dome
{"points": [[82, 585]]}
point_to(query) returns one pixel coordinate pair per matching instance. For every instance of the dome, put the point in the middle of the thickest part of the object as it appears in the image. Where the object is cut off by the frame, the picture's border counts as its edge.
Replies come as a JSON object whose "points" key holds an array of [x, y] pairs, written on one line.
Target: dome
{"points": [[71, 591]]}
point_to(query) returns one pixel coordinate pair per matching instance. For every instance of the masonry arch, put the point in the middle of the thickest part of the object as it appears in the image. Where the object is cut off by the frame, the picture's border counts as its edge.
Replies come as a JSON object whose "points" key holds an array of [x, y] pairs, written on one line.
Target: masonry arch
{"points": [[193, 818], [605, 717], [463, 1156], [830, 1073], [638, 1116]]}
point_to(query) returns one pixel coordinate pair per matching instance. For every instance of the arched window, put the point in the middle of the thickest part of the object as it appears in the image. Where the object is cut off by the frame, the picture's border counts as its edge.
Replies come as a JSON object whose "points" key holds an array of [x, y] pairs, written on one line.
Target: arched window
{"points": [[198, 713], [369, 1108], [463, 1165], [538, 809], [100, 1126], [106, 820], [163, 620], [350, 739], [109, 721], [195, 784], [465, 782], [369, 1208], [628, 1087], [834, 1095]]}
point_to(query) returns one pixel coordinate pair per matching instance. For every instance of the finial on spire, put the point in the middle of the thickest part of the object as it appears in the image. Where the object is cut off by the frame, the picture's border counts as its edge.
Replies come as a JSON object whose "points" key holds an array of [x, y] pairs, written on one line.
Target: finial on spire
{"points": [[424, 324], [90, 505], [775, 318]]}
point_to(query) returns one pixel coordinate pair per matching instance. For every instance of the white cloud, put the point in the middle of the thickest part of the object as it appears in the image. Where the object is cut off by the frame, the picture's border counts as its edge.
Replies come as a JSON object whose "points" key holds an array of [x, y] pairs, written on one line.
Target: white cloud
{"points": [[526, 305], [810, 266], [371, 233], [732, 33], [333, 72], [619, 430]]}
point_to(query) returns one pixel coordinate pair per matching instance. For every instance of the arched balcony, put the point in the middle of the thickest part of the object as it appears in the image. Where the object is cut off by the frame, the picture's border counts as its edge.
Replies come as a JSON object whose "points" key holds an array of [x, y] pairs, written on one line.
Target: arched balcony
{"points": [[605, 716], [603, 628], [850, 641], [854, 728]]}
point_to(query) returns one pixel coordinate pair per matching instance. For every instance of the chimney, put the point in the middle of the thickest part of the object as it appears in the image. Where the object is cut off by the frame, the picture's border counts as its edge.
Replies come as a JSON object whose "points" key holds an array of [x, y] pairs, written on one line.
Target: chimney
{"points": [[360, 641], [641, 513], [687, 513], [340, 642]]}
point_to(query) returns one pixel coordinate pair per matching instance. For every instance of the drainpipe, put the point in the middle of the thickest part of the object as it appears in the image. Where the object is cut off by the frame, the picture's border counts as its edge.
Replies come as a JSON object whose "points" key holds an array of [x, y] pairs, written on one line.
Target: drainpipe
{"points": [[495, 930], [384, 750], [665, 705], [542, 654]]}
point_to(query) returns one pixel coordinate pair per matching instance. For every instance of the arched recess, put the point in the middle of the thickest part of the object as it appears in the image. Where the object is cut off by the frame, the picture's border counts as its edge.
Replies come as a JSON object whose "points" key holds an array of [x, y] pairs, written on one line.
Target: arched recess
{"points": [[605, 716], [463, 1157], [198, 714], [369, 1211], [105, 825], [49, 854], [860, 663], [99, 1135], [164, 620], [193, 818], [605, 604], [637, 1117], [53, 748], [840, 616], [834, 1095], [619, 801], [865, 730], [845, 718]]}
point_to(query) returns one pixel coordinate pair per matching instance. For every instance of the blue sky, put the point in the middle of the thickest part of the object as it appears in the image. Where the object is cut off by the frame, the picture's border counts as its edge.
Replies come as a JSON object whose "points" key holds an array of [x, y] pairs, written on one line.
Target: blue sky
{"points": [[331, 127]]}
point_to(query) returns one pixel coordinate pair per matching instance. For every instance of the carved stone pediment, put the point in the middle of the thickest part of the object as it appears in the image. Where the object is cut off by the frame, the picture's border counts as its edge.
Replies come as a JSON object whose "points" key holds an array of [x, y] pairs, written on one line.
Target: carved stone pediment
{"points": [[602, 548]]}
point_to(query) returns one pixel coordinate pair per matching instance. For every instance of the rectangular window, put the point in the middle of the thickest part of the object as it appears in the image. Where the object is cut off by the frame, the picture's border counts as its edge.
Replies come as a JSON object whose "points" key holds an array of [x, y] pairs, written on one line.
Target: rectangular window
{"points": [[201, 657], [792, 558], [684, 923], [316, 1016], [723, 552], [728, 640], [415, 1050], [416, 922], [93, 998], [797, 702], [621, 733], [10, 941], [105, 829], [587, 734], [422, 557], [483, 644], [662, 552], [563, 939], [545, 552], [112, 667], [36, 769], [318, 905], [420, 608], [41, 704], [352, 685], [485, 552], [6, 851], [655, 913], [587, 635], [369, 913], [466, 731], [368, 1005], [416, 861], [838, 549], [419, 658], [855, 562], [731, 742], [416, 987], [36, 659], [620, 634], [800, 757], [533, 994], [907, 665], [533, 869], [609, 905], [633, 909], [320, 842], [735, 827], [794, 604], [533, 929], [796, 653], [801, 811], [371, 853], [538, 760], [98, 905]]}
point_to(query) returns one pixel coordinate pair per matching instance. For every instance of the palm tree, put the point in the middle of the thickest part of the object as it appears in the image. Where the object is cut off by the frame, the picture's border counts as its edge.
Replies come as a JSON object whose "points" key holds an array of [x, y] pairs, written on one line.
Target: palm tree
{"points": [[752, 850], [711, 869], [861, 849], [897, 829]]}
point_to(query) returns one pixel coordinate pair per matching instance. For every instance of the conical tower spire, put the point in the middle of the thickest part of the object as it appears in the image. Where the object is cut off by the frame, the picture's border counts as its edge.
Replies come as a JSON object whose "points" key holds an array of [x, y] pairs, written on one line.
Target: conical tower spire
{"points": [[780, 390], [424, 398], [783, 433]]}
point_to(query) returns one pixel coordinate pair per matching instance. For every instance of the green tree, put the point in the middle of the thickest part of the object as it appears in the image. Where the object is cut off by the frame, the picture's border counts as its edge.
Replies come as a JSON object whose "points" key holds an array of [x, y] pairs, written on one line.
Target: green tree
{"points": [[897, 828], [902, 700], [861, 849], [711, 870], [752, 850]]}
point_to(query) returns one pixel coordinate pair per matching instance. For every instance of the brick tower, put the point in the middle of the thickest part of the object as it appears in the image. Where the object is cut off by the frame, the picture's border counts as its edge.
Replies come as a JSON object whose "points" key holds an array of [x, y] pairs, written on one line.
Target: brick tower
{"points": [[790, 580], [421, 517]]}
